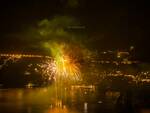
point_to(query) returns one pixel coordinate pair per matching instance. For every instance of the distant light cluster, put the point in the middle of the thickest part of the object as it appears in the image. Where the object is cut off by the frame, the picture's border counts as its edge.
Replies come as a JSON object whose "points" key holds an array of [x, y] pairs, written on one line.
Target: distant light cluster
{"points": [[23, 55]]}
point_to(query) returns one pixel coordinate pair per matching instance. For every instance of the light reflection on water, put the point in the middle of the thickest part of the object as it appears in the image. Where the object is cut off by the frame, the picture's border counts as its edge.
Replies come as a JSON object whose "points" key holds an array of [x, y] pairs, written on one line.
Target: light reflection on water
{"points": [[48, 100], [38, 100]]}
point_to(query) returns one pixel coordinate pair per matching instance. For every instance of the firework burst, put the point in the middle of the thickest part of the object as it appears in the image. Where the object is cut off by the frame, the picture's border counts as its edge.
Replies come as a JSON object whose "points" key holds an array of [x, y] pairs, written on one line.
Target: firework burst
{"points": [[64, 65]]}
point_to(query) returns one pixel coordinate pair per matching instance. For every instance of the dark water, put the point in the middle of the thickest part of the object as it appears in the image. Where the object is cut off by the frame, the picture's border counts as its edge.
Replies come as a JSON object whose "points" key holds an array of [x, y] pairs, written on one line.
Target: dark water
{"points": [[47, 100]]}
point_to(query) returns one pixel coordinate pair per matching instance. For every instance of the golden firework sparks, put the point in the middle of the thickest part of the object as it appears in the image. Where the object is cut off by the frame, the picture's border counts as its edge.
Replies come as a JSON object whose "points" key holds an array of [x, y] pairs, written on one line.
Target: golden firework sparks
{"points": [[66, 66]]}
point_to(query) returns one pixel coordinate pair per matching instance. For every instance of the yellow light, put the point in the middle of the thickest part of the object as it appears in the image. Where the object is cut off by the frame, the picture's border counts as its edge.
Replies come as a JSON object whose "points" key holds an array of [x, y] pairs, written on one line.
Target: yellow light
{"points": [[29, 85], [66, 66]]}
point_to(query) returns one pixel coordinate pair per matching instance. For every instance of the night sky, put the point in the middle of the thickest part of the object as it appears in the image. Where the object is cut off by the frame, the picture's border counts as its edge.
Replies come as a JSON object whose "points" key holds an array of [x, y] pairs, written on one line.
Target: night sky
{"points": [[109, 25]]}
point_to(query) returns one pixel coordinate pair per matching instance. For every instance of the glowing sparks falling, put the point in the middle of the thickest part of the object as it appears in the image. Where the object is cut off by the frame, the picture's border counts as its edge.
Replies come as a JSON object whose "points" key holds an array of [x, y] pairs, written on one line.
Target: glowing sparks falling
{"points": [[66, 66], [48, 69], [62, 65]]}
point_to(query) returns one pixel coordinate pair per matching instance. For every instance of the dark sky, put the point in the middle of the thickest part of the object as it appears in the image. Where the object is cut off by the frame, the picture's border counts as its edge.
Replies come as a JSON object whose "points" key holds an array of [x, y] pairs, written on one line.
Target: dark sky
{"points": [[109, 24]]}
